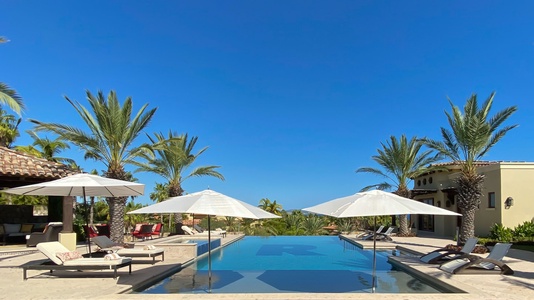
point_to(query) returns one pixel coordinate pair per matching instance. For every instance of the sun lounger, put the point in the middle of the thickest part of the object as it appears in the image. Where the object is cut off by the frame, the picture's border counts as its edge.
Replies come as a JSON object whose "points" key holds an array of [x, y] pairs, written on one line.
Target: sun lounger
{"points": [[217, 231], [473, 264], [190, 231], [444, 254], [381, 236], [108, 246], [370, 232], [55, 250]]}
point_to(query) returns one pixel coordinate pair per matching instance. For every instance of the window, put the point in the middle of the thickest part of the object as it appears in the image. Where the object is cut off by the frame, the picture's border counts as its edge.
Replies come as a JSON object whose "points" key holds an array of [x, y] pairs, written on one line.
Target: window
{"points": [[491, 200]]}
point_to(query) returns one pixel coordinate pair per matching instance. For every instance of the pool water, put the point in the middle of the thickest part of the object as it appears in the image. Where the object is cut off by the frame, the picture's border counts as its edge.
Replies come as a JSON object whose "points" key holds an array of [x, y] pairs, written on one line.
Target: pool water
{"points": [[291, 264]]}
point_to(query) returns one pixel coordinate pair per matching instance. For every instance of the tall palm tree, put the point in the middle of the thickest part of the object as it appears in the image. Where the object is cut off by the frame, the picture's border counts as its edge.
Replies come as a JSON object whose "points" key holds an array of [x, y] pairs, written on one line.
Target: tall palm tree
{"points": [[9, 96], [48, 148], [401, 160], [169, 157], [473, 134], [110, 140]]}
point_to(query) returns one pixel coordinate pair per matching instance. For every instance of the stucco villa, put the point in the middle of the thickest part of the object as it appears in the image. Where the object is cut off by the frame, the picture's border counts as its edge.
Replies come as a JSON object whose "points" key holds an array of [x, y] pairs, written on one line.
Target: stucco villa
{"points": [[507, 197]]}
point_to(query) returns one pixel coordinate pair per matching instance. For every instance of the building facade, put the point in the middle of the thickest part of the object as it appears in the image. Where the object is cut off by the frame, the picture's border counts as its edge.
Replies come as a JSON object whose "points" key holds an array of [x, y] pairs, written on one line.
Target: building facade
{"points": [[507, 197]]}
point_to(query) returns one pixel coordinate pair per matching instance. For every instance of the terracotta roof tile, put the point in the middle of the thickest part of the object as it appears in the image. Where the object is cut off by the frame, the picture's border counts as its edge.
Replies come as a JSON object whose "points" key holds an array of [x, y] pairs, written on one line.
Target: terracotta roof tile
{"points": [[17, 164], [477, 163]]}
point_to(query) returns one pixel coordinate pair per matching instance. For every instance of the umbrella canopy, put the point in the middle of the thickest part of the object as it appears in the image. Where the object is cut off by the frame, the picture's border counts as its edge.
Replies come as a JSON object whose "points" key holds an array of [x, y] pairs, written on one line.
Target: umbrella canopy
{"points": [[82, 185], [375, 203], [207, 202]]}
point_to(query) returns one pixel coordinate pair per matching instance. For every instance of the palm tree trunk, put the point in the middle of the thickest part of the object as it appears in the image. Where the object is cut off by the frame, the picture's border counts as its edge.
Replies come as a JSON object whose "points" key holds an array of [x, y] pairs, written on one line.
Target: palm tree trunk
{"points": [[175, 190], [116, 212], [91, 210], [467, 229], [469, 193], [403, 226], [403, 219]]}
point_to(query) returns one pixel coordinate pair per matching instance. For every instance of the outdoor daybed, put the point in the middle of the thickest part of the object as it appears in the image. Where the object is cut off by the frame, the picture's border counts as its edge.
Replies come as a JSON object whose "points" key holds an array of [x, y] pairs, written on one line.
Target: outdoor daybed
{"points": [[60, 258], [108, 246]]}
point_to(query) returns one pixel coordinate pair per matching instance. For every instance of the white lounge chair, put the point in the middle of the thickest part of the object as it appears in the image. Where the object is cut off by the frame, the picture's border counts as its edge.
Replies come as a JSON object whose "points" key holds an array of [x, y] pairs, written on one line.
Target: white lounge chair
{"points": [[107, 245], [473, 264], [370, 232], [52, 249], [190, 231], [381, 236], [444, 254]]}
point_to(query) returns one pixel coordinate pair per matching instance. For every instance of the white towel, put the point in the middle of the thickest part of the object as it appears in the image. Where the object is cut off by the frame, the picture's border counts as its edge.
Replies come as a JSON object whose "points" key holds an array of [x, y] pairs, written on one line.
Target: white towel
{"points": [[112, 256], [149, 247]]}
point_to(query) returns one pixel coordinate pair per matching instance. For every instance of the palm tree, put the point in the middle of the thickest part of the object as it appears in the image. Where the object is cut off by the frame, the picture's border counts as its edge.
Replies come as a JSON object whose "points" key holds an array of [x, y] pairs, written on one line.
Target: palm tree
{"points": [[473, 134], [170, 157], [9, 96], [110, 140], [401, 160], [293, 222], [49, 148], [160, 193], [313, 225], [8, 128], [271, 207]]}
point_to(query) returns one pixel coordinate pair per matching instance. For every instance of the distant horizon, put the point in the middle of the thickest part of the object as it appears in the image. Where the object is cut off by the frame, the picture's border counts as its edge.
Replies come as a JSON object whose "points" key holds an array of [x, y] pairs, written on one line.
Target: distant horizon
{"points": [[291, 98]]}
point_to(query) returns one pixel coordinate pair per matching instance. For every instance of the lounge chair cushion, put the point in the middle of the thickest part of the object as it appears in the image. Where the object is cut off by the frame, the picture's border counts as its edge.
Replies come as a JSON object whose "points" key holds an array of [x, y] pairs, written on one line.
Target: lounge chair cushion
{"points": [[50, 249], [69, 255], [11, 228], [26, 228]]}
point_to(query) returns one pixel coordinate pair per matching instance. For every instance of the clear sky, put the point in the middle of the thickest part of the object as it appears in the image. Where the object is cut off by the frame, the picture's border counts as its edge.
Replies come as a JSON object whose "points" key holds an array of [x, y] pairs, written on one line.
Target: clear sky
{"points": [[290, 96]]}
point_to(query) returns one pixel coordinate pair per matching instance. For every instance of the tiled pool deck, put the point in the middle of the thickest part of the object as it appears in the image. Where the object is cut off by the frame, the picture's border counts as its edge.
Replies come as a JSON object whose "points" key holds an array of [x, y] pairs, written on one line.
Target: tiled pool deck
{"points": [[101, 285]]}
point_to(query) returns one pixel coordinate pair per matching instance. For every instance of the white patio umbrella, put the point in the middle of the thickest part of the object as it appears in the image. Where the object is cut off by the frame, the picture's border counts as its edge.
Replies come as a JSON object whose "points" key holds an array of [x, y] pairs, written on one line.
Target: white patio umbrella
{"points": [[375, 203], [82, 185], [207, 202]]}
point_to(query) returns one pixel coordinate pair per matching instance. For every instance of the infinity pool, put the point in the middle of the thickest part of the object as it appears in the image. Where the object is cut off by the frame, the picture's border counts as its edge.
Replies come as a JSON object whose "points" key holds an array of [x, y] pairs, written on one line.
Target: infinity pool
{"points": [[289, 264]]}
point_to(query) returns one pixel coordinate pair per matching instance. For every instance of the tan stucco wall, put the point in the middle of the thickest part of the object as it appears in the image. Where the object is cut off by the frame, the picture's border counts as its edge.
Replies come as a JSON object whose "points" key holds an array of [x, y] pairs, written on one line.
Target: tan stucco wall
{"points": [[518, 183], [485, 217]]}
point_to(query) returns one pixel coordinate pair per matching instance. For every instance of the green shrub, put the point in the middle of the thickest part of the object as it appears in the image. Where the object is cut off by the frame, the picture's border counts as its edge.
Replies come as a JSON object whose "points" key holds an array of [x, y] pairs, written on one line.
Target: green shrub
{"points": [[524, 231], [500, 233]]}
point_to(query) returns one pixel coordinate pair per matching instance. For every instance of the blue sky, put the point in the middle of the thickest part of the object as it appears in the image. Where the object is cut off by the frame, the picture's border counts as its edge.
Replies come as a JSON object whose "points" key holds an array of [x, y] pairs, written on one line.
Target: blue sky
{"points": [[291, 97]]}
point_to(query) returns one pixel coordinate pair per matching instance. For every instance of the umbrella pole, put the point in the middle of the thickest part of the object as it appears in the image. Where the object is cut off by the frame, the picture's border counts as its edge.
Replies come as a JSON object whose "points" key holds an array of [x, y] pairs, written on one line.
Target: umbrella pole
{"points": [[87, 223], [209, 254], [373, 288]]}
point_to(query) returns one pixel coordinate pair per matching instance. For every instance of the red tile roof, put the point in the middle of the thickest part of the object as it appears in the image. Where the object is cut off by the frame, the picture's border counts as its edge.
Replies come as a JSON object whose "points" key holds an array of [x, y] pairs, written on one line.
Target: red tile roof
{"points": [[21, 165]]}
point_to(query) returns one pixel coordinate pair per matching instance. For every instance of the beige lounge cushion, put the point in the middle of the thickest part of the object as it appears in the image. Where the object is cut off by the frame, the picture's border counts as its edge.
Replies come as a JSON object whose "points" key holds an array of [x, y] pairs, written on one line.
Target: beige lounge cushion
{"points": [[50, 249]]}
